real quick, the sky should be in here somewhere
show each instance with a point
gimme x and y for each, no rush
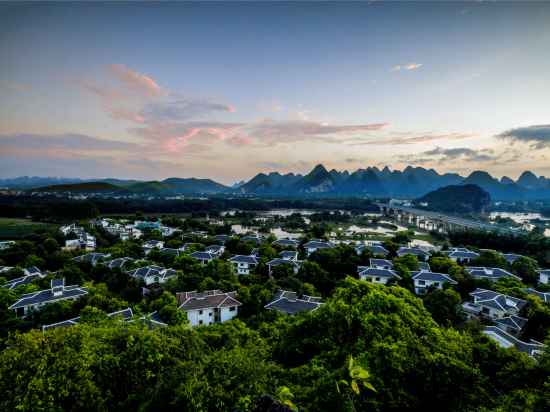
(227, 90)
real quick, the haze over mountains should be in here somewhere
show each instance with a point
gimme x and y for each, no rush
(412, 182)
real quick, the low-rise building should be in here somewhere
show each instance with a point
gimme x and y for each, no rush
(152, 274)
(544, 276)
(6, 244)
(511, 257)
(206, 308)
(92, 258)
(462, 255)
(423, 280)
(216, 250)
(244, 264)
(203, 257)
(152, 244)
(493, 305)
(375, 249)
(118, 263)
(287, 302)
(124, 315)
(492, 274)
(507, 340)
(420, 254)
(294, 264)
(376, 275)
(314, 245)
(57, 292)
(30, 274)
(287, 243)
(381, 264)
(544, 296)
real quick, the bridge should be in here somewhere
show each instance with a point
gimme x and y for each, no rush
(435, 221)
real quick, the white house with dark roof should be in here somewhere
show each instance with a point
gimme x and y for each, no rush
(256, 239)
(544, 276)
(118, 263)
(29, 275)
(377, 275)
(206, 308)
(57, 292)
(125, 315)
(462, 255)
(152, 244)
(314, 245)
(152, 274)
(381, 264)
(420, 254)
(492, 274)
(216, 250)
(292, 243)
(244, 264)
(507, 340)
(424, 280)
(511, 257)
(291, 255)
(287, 302)
(203, 257)
(512, 324)
(493, 305)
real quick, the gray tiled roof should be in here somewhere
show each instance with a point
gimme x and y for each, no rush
(213, 248)
(513, 321)
(381, 262)
(146, 271)
(376, 250)
(489, 273)
(424, 266)
(318, 244)
(124, 315)
(287, 302)
(118, 262)
(385, 273)
(47, 296)
(461, 253)
(289, 254)
(24, 280)
(202, 255)
(208, 299)
(501, 335)
(511, 257)
(412, 251)
(251, 260)
(92, 258)
(544, 296)
(433, 276)
(497, 300)
(286, 242)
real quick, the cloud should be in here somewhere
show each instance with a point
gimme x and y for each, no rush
(181, 110)
(408, 66)
(443, 156)
(64, 142)
(537, 136)
(135, 82)
(408, 138)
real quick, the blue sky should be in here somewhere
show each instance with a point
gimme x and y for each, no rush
(224, 90)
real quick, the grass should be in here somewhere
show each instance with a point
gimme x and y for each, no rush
(15, 228)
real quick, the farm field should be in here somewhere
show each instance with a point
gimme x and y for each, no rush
(16, 228)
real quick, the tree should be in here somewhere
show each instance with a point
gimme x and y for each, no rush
(444, 305)
(527, 269)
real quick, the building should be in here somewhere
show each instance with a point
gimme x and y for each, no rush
(423, 280)
(203, 257)
(244, 264)
(492, 305)
(124, 315)
(118, 263)
(152, 274)
(511, 257)
(420, 254)
(286, 243)
(381, 264)
(462, 255)
(256, 239)
(424, 266)
(206, 308)
(374, 249)
(293, 263)
(222, 238)
(287, 302)
(314, 245)
(377, 275)
(507, 340)
(544, 276)
(492, 274)
(6, 244)
(91, 258)
(544, 296)
(152, 244)
(168, 251)
(29, 275)
(512, 324)
(57, 292)
(216, 250)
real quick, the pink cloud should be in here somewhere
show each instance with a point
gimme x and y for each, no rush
(136, 82)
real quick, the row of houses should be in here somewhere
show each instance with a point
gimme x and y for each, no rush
(83, 240)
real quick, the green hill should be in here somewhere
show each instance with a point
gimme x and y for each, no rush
(456, 199)
(85, 187)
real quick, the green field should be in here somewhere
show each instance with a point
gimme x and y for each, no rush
(13, 228)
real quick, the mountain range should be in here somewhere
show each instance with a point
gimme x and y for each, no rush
(411, 182)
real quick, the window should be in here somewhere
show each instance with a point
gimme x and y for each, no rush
(421, 282)
(377, 279)
(200, 312)
(210, 314)
(232, 309)
(200, 322)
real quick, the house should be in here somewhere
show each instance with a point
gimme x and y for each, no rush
(255, 252)
(544, 296)
(289, 255)
(512, 324)
(118, 263)
(493, 274)
(91, 258)
(30, 274)
(152, 321)
(244, 264)
(152, 274)
(216, 250)
(6, 244)
(203, 257)
(381, 264)
(544, 276)
(507, 340)
(314, 245)
(287, 243)
(166, 231)
(287, 302)
(511, 257)
(424, 280)
(152, 244)
(168, 251)
(462, 255)
(256, 239)
(124, 315)
(377, 275)
(420, 254)
(72, 228)
(57, 292)
(211, 306)
(146, 226)
(294, 264)
(84, 241)
(493, 305)
(374, 249)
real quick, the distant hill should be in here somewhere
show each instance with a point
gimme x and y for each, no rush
(456, 199)
(85, 187)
